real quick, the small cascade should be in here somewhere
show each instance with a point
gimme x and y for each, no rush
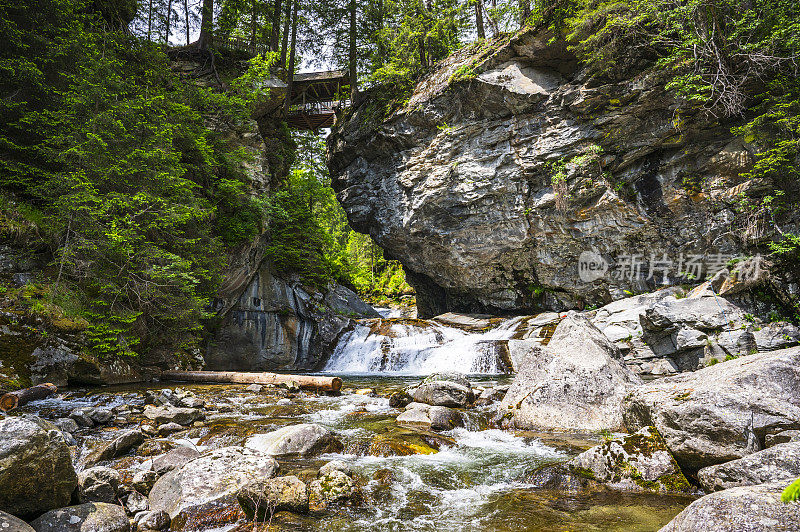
(421, 347)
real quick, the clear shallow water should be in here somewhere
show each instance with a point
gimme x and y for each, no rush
(477, 481)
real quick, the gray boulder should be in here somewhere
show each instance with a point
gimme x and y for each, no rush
(190, 494)
(36, 472)
(66, 424)
(174, 459)
(424, 416)
(157, 520)
(170, 414)
(780, 462)
(119, 446)
(98, 484)
(443, 393)
(143, 481)
(335, 465)
(722, 412)
(639, 462)
(785, 436)
(741, 509)
(135, 503)
(260, 499)
(9, 523)
(305, 439)
(577, 382)
(330, 488)
(89, 517)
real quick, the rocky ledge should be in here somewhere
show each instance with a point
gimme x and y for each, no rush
(509, 160)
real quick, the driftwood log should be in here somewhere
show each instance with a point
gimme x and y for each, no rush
(13, 400)
(328, 384)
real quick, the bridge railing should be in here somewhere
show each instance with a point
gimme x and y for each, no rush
(234, 42)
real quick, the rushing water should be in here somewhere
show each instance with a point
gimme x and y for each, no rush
(422, 347)
(477, 482)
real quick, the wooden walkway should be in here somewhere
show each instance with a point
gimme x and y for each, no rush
(316, 98)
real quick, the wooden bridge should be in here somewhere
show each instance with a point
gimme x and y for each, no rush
(315, 99)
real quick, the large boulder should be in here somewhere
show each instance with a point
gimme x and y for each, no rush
(98, 484)
(262, 498)
(443, 393)
(169, 414)
(174, 459)
(638, 462)
(9, 523)
(122, 444)
(430, 417)
(36, 472)
(203, 492)
(780, 462)
(577, 382)
(722, 412)
(330, 487)
(305, 439)
(741, 509)
(89, 517)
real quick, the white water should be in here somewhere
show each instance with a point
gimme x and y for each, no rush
(421, 348)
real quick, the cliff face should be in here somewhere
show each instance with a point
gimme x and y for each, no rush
(507, 163)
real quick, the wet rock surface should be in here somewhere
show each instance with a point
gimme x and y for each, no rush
(89, 517)
(9, 523)
(36, 471)
(305, 439)
(722, 412)
(576, 382)
(780, 462)
(260, 499)
(742, 509)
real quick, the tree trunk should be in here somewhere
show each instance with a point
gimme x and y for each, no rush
(186, 19)
(13, 400)
(290, 72)
(381, 46)
(286, 22)
(352, 58)
(253, 25)
(479, 20)
(492, 21)
(168, 29)
(275, 33)
(149, 19)
(206, 25)
(333, 384)
(524, 12)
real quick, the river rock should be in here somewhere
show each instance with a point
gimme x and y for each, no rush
(169, 428)
(135, 502)
(785, 436)
(305, 439)
(577, 382)
(443, 393)
(122, 444)
(157, 520)
(192, 494)
(400, 399)
(174, 459)
(330, 488)
(335, 465)
(430, 417)
(740, 509)
(88, 517)
(262, 498)
(780, 462)
(722, 412)
(66, 424)
(98, 484)
(143, 481)
(169, 414)
(639, 462)
(9, 523)
(36, 472)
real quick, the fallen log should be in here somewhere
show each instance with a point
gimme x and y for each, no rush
(328, 384)
(15, 399)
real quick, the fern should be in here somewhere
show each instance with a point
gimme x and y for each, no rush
(791, 493)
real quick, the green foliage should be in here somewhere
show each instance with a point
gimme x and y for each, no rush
(136, 194)
(792, 492)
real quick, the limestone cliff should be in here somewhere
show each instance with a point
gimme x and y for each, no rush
(510, 160)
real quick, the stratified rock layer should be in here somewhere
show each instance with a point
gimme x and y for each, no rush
(505, 165)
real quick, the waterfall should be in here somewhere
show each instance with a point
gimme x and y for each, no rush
(421, 347)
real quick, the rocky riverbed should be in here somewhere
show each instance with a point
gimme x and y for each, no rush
(160, 454)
